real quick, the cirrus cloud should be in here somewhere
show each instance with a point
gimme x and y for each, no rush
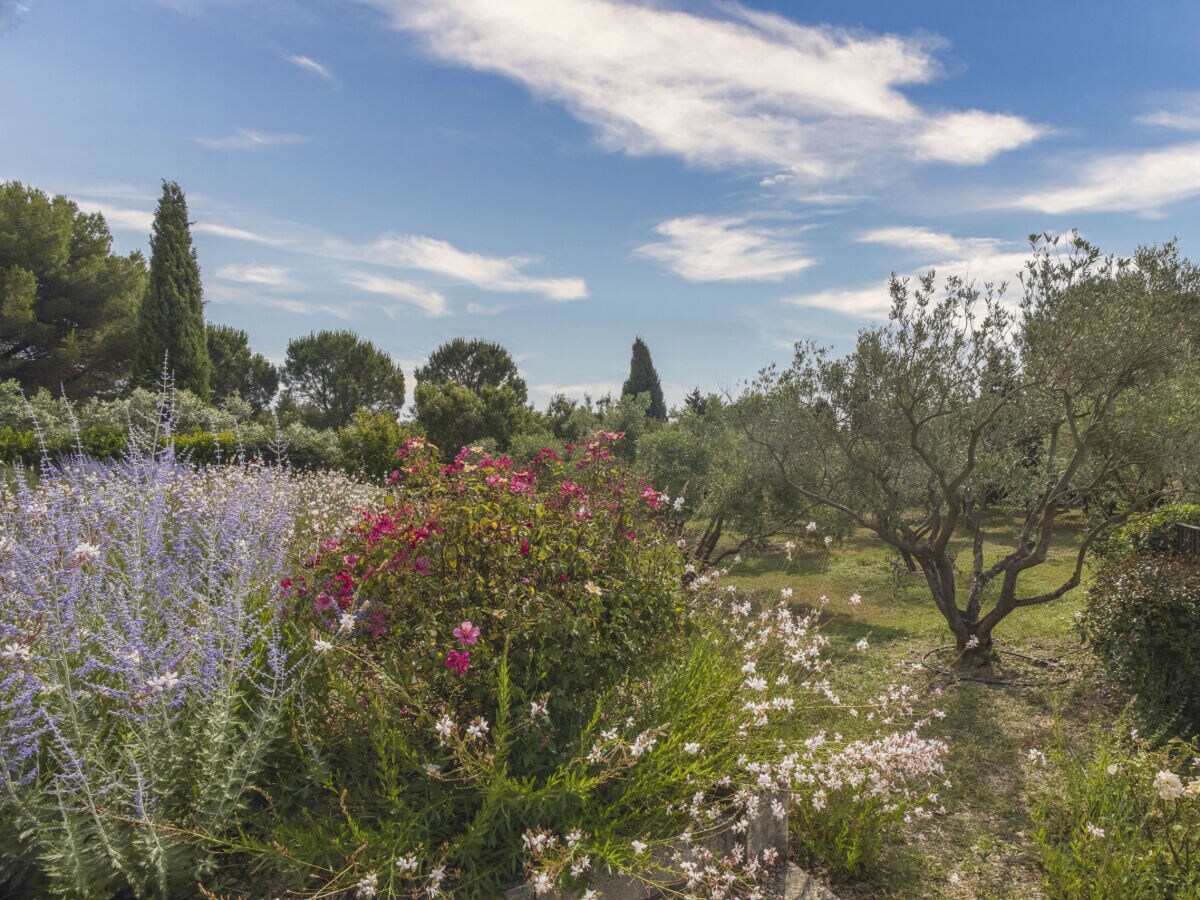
(711, 248)
(748, 89)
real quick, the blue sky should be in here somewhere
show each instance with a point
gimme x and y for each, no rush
(562, 175)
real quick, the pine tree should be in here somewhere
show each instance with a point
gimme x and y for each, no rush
(171, 317)
(644, 380)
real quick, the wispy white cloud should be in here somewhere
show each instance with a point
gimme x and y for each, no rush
(972, 138)
(229, 294)
(746, 89)
(265, 276)
(408, 252)
(119, 218)
(1179, 111)
(982, 260)
(1142, 182)
(490, 273)
(248, 139)
(710, 248)
(308, 64)
(931, 244)
(11, 12)
(428, 301)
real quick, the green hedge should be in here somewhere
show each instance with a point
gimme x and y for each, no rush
(1151, 533)
(106, 442)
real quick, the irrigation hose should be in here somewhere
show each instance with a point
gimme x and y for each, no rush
(958, 676)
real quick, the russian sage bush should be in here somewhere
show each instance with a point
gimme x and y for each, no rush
(143, 665)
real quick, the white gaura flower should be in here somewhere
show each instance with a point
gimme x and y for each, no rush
(1168, 785)
(592, 588)
(163, 683)
(12, 651)
(1094, 830)
(810, 527)
(478, 729)
(368, 886)
(855, 599)
(322, 646)
(83, 554)
(407, 863)
(693, 748)
(1036, 756)
(1192, 791)
(639, 847)
(861, 645)
(786, 593)
(346, 622)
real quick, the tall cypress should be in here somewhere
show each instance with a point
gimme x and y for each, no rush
(644, 380)
(171, 316)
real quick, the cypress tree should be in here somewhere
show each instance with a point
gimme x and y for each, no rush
(171, 316)
(644, 380)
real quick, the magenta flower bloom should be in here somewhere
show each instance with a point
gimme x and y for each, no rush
(458, 662)
(421, 566)
(467, 633)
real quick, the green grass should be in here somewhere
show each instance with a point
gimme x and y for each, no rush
(981, 846)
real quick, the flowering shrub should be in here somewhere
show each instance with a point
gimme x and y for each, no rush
(1121, 822)
(560, 565)
(143, 671)
(514, 683)
(1142, 618)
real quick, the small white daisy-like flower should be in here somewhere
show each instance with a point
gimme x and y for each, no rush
(692, 748)
(13, 651)
(163, 683)
(592, 588)
(83, 554)
(368, 886)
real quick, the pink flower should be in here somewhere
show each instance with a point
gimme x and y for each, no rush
(458, 662)
(467, 633)
(421, 566)
(525, 548)
(324, 601)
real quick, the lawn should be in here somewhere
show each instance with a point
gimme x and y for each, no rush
(980, 847)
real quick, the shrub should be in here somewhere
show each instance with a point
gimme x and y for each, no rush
(515, 682)
(142, 668)
(1120, 821)
(1142, 619)
(1150, 533)
(367, 446)
(564, 557)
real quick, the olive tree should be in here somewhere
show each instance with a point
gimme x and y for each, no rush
(1069, 401)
